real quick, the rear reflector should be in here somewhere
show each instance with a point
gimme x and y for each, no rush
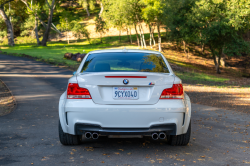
(75, 92)
(125, 76)
(176, 92)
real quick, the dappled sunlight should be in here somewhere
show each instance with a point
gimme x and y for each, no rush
(35, 75)
(33, 96)
(226, 98)
(202, 88)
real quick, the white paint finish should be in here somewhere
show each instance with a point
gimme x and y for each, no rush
(86, 111)
(187, 113)
(102, 109)
(100, 87)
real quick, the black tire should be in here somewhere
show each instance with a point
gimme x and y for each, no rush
(68, 139)
(180, 140)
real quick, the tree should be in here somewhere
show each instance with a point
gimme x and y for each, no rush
(115, 14)
(10, 33)
(66, 23)
(221, 24)
(80, 30)
(133, 15)
(50, 10)
(86, 4)
(153, 12)
(100, 26)
(46, 10)
(31, 24)
(178, 25)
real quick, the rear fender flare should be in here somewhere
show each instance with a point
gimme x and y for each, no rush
(187, 113)
(62, 115)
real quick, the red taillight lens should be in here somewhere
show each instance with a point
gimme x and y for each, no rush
(176, 92)
(75, 92)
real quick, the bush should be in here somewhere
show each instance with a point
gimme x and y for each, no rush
(25, 40)
(4, 41)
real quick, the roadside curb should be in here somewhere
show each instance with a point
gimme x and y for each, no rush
(13, 97)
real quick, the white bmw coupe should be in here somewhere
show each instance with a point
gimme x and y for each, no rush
(124, 93)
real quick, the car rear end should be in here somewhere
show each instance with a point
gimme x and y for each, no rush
(127, 92)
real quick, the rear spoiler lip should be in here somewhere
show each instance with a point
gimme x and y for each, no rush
(125, 76)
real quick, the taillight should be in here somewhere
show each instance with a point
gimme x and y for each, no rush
(176, 92)
(75, 92)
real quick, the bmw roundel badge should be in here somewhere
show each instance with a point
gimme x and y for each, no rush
(125, 81)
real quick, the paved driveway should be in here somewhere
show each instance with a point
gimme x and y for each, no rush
(29, 134)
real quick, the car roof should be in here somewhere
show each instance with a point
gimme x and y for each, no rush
(125, 50)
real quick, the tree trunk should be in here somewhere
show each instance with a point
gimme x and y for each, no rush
(127, 34)
(184, 45)
(36, 32)
(101, 37)
(150, 36)
(223, 61)
(202, 48)
(187, 53)
(216, 61)
(101, 9)
(218, 65)
(143, 38)
(130, 36)
(120, 36)
(138, 40)
(153, 29)
(202, 45)
(87, 8)
(68, 36)
(140, 36)
(9, 28)
(159, 36)
(46, 33)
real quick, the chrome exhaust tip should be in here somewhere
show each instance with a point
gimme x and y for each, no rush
(154, 136)
(95, 135)
(162, 135)
(88, 135)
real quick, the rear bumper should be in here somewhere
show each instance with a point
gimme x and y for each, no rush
(74, 114)
(169, 129)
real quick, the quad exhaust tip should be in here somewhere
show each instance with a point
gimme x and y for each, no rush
(95, 135)
(162, 135)
(88, 135)
(155, 136)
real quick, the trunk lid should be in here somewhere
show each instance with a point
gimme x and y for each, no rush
(100, 86)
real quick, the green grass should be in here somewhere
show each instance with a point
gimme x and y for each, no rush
(201, 78)
(55, 51)
(183, 64)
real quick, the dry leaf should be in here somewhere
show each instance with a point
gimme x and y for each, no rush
(201, 159)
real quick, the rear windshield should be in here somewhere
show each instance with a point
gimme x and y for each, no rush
(125, 62)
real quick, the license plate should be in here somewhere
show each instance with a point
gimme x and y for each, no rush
(125, 93)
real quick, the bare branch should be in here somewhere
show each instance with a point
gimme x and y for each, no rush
(44, 25)
(26, 4)
(47, 3)
(1, 6)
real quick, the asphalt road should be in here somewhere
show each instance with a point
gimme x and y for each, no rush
(29, 135)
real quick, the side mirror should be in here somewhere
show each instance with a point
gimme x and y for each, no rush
(74, 73)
